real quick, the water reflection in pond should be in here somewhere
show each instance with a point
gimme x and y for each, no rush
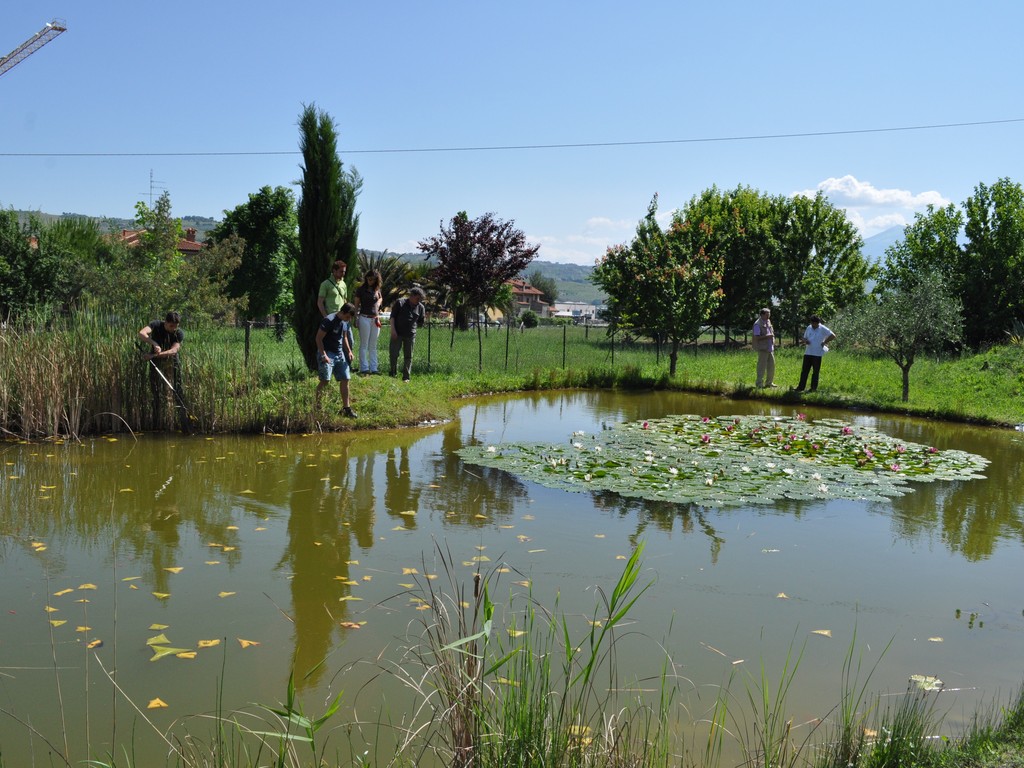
(307, 547)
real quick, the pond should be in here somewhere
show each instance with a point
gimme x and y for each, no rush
(256, 556)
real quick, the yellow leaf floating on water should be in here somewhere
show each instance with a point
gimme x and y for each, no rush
(523, 538)
(480, 517)
(247, 490)
(58, 622)
(156, 704)
(430, 576)
(407, 586)
(594, 623)
(83, 629)
(367, 578)
(935, 640)
(174, 569)
(40, 548)
(160, 639)
(247, 643)
(126, 490)
(82, 600)
(51, 609)
(37, 545)
(822, 632)
(598, 535)
(232, 528)
(351, 625)
(161, 595)
(502, 570)
(507, 527)
(351, 562)
(424, 607)
(186, 655)
(225, 594)
(213, 562)
(409, 571)
(481, 559)
(408, 512)
(63, 592)
(208, 643)
(782, 596)
(516, 632)
(160, 651)
(346, 598)
(535, 551)
(347, 582)
(87, 586)
(523, 583)
(399, 528)
(621, 557)
(228, 549)
(260, 528)
(131, 578)
(528, 517)
(97, 643)
(132, 586)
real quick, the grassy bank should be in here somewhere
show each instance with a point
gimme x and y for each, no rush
(85, 376)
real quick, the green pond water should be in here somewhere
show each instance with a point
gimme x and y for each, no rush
(261, 555)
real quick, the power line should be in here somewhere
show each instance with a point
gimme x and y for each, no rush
(518, 147)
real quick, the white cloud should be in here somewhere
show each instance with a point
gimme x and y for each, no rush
(871, 209)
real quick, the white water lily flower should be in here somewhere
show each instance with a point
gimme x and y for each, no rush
(578, 434)
(709, 480)
(598, 448)
(745, 468)
(649, 457)
(491, 449)
(588, 477)
(788, 470)
(770, 465)
(816, 476)
(577, 445)
(673, 471)
(823, 488)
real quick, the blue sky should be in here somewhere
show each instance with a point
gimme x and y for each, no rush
(220, 77)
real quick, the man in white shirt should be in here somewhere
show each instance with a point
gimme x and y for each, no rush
(816, 339)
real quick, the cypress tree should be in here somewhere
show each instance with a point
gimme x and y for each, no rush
(328, 224)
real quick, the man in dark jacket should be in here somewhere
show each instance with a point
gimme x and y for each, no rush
(406, 316)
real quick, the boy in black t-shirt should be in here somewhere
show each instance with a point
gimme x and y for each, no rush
(334, 354)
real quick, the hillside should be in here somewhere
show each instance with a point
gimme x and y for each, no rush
(202, 224)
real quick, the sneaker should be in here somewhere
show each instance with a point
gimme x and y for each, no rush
(349, 412)
(405, 378)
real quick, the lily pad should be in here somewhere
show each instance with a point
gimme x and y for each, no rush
(733, 460)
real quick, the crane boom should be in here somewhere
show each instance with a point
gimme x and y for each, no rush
(33, 44)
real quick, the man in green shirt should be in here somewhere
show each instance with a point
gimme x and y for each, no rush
(333, 291)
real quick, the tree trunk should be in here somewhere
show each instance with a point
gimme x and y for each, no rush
(906, 382)
(673, 356)
(461, 318)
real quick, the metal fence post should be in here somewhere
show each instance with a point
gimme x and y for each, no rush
(248, 333)
(565, 331)
(508, 333)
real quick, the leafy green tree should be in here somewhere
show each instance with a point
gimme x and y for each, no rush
(820, 265)
(739, 227)
(905, 321)
(660, 282)
(475, 258)
(268, 226)
(201, 290)
(328, 223)
(529, 319)
(546, 285)
(930, 244)
(991, 274)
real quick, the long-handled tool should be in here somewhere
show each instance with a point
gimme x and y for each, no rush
(188, 417)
